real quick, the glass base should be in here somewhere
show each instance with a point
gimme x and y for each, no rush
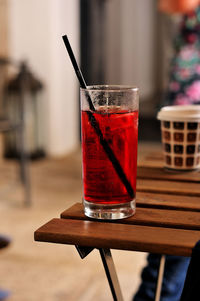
(109, 212)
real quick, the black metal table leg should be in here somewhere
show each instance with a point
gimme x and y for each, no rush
(109, 268)
(111, 274)
(84, 251)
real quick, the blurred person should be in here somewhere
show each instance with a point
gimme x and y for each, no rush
(184, 76)
(183, 89)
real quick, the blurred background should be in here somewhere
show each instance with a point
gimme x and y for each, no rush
(115, 42)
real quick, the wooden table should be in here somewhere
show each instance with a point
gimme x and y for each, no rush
(167, 221)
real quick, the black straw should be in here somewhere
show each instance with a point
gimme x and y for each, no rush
(94, 123)
(77, 69)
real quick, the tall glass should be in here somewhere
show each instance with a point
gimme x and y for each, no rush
(109, 150)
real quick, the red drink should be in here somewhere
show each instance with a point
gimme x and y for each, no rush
(101, 182)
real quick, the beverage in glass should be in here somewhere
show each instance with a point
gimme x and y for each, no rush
(109, 150)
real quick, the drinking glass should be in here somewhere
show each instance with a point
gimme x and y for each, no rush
(109, 150)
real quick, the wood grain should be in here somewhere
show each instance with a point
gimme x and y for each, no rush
(118, 236)
(147, 217)
(158, 173)
(168, 187)
(167, 201)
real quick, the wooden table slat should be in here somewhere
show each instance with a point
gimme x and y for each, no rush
(158, 173)
(119, 236)
(147, 217)
(168, 187)
(167, 201)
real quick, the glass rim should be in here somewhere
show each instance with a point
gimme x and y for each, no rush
(110, 88)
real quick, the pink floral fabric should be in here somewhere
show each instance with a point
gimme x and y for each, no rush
(184, 83)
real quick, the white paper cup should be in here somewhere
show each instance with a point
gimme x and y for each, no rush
(180, 129)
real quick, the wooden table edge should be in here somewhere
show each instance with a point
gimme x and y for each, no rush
(87, 233)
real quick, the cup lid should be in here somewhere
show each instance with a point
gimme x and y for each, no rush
(180, 113)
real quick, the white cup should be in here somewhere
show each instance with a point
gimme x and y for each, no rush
(180, 128)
